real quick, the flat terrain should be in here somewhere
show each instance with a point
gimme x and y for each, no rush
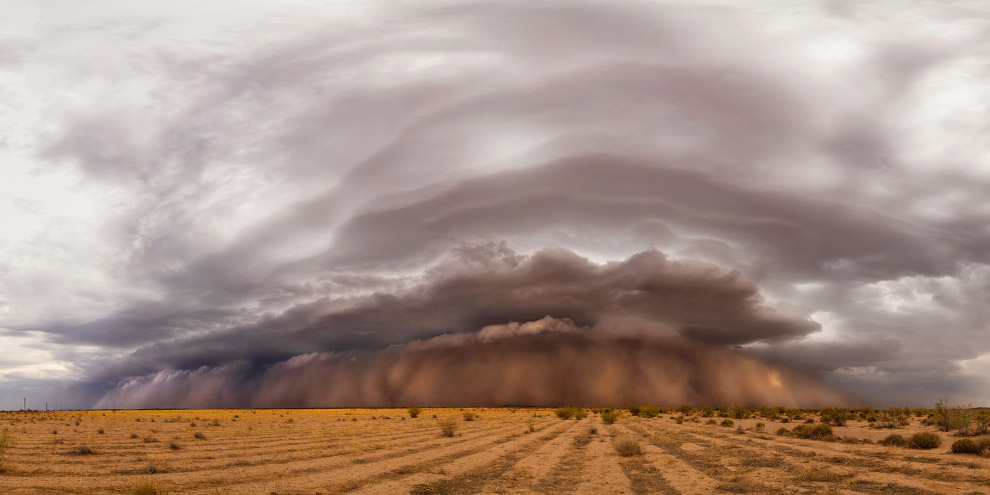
(385, 451)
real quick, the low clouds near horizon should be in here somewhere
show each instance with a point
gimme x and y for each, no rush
(236, 203)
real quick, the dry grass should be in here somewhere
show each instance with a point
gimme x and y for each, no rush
(344, 451)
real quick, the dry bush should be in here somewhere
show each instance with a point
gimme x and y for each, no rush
(580, 414)
(199, 436)
(609, 417)
(82, 450)
(468, 416)
(894, 440)
(650, 412)
(146, 489)
(965, 446)
(813, 432)
(531, 425)
(447, 427)
(565, 412)
(728, 423)
(627, 446)
(949, 418)
(924, 440)
(414, 411)
(760, 427)
(174, 446)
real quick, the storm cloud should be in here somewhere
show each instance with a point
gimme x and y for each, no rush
(234, 203)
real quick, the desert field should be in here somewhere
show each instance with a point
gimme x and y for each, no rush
(497, 451)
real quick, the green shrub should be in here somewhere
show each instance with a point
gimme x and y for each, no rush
(711, 421)
(634, 410)
(728, 423)
(564, 412)
(760, 427)
(783, 431)
(924, 440)
(414, 411)
(468, 416)
(610, 417)
(894, 440)
(580, 414)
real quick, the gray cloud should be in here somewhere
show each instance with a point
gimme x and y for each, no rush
(291, 182)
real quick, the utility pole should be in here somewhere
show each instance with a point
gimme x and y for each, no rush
(46, 407)
(25, 403)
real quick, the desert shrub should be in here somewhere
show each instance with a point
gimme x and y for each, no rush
(728, 423)
(531, 425)
(634, 410)
(835, 416)
(894, 439)
(199, 436)
(580, 414)
(134, 435)
(414, 411)
(711, 421)
(949, 418)
(100, 431)
(981, 422)
(593, 431)
(82, 450)
(627, 446)
(610, 417)
(468, 416)
(760, 427)
(924, 440)
(174, 446)
(679, 421)
(965, 446)
(707, 411)
(564, 412)
(650, 412)
(685, 410)
(813, 432)
(448, 427)
(150, 439)
(146, 489)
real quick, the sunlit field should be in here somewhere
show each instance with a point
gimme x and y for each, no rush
(494, 451)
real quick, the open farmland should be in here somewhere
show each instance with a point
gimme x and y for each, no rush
(512, 451)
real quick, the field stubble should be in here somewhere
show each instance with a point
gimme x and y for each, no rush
(499, 451)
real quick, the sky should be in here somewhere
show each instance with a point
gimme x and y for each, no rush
(302, 203)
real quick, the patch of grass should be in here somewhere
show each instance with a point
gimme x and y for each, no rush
(627, 446)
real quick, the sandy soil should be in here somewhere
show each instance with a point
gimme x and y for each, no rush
(295, 452)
